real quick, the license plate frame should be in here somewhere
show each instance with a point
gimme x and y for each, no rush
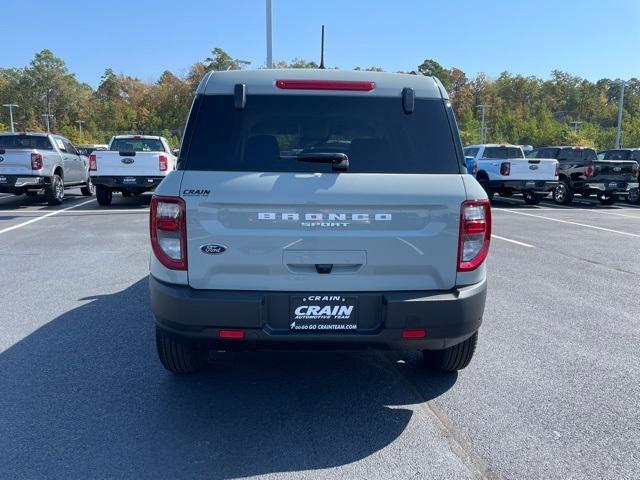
(323, 313)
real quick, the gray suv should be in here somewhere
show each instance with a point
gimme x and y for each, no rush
(319, 209)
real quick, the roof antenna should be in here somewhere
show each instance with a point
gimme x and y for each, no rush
(322, 50)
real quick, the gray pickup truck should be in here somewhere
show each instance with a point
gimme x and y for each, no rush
(34, 162)
(319, 209)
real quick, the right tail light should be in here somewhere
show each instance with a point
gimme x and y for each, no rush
(163, 163)
(168, 225)
(36, 161)
(557, 168)
(505, 169)
(93, 163)
(589, 170)
(475, 234)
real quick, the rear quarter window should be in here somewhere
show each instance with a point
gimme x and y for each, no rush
(272, 130)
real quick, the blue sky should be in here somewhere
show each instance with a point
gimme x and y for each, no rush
(593, 39)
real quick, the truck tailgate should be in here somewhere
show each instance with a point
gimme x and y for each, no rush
(322, 232)
(533, 169)
(615, 170)
(18, 162)
(127, 164)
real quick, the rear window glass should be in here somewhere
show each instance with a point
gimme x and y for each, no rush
(25, 141)
(137, 145)
(273, 130)
(577, 154)
(617, 155)
(502, 152)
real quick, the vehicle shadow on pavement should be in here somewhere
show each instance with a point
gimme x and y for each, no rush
(85, 397)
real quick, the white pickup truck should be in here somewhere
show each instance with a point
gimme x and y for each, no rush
(505, 170)
(34, 162)
(133, 164)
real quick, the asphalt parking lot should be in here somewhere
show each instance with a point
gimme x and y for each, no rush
(552, 392)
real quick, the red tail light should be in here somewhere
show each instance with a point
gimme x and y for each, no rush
(557, 169)
(505, 168)
(93, 163)
(589, 171)
(634, 168)
(475, 234)
(36, 161)
(325, 85)
(168, 225)
(414, 333)
(163, 163)
(235, 334)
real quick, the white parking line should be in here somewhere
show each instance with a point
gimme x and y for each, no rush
(50, 214)
(522, 244)
(573, 223)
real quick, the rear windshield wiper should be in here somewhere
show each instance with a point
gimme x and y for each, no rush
(338, 161)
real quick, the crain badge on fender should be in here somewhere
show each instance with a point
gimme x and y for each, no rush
(127, 161)
(213, 249)
(533, 167)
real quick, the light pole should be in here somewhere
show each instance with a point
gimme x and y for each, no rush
(620, 108)
(269, 43)
(483, 131)
(47, 116)
(80, 122)
(10, 107)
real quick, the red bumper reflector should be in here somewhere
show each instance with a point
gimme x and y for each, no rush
(325, 85)
(414, 333)
(237, 334)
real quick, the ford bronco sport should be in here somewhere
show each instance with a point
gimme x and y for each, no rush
(319, 209)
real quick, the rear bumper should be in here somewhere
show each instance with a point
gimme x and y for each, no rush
(537, 186)
(12, 183)
(448, 317)
(134, 182)
(619, 188)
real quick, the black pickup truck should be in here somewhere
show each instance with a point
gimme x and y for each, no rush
(582, 172)
(624, 154)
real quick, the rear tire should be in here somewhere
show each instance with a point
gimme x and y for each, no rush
(89, 189)
(104, 195)
(531, 198)
(180, 357)
(563, 194)
(453, 358)
(607, 199)
(54, 192)
(634, 196)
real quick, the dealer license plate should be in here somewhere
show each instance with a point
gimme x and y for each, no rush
(323, 312)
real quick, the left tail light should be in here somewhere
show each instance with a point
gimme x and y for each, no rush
(93, 163)
(475, 234)
(163, 163)
(36, 161)
(168, 225)
(505, 169)
(589, 170)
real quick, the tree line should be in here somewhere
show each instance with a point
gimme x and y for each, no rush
(563, 109)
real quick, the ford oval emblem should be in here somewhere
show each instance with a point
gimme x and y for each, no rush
(617, 169)
(213, 249)
(127, 161)
(533, 167)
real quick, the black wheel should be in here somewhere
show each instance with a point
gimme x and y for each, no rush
(607, 199)
(180, 356)
(104, 195)
(484, 183)
(452, 358)
(531, 198)
(89, 189)
(634, 196)
(55, 190)
(563, 194)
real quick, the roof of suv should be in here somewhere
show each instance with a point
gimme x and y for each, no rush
(264, 82)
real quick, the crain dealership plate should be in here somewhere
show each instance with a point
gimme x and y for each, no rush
(323, 313)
